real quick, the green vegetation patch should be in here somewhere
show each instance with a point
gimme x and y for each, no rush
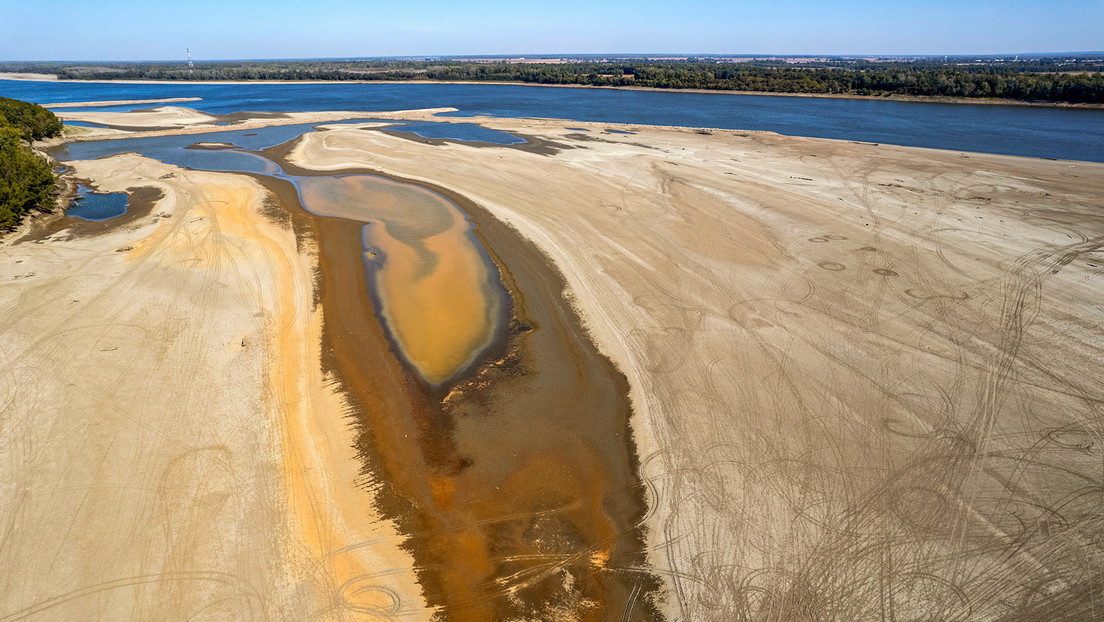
(33, 121)
(26, 179)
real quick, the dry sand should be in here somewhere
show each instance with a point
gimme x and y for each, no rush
(865, 382)
(170, 120)
(121, 102)
(865, 378)
(162, 116)
(171, 449)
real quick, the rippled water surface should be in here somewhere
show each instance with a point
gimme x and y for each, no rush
(1067, 133)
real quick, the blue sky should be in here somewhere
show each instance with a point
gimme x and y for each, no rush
(158, 30)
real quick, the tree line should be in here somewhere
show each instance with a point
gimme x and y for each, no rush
(27, 181)
(1067, 80)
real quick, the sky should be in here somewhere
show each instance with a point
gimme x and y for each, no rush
(256, 29)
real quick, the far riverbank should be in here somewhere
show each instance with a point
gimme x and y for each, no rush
(26, 77)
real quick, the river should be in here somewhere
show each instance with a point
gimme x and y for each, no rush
(1044, 132)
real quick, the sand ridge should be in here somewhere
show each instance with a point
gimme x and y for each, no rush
(181, 121)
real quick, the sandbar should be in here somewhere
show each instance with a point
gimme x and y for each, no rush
(851, 365)
(121, 102)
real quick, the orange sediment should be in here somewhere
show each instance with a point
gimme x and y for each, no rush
(440, 320)
(517, 490)
(433, 285)
(347, 555)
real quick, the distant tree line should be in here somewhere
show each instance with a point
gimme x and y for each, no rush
(1069, 80)
(26, 180)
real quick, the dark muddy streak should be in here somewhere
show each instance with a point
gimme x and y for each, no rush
(518, 484)
(532, 144)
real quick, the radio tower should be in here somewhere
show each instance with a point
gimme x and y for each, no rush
(190, 65)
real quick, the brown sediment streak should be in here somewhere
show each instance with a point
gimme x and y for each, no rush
(517, 484)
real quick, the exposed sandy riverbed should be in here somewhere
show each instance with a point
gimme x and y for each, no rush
(171, 446)
(863, 379)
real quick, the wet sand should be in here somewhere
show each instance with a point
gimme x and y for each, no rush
(438, 296)
(518, 484)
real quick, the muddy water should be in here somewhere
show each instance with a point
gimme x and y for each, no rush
(439, 295)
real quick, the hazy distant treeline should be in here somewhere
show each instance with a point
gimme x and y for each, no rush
(1042, 79)
(989, 82)
(26, 180)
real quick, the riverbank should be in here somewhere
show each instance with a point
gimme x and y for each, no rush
(175, 446)
(902, 98)
(835, 353)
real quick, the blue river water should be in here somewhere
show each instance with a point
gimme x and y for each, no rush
(174, 149)
(90, 206)
(1064, 133)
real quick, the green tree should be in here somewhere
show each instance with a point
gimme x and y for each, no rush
(33, 121)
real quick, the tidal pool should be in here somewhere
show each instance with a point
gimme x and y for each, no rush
(465, 132)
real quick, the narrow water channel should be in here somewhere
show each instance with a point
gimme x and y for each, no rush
(498, 438)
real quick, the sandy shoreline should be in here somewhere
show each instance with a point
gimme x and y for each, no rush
(862, 378)
(122, 102)
(898, 98)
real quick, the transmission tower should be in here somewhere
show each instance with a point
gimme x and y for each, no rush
(190, 65)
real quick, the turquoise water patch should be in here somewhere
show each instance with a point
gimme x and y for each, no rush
(96, 206)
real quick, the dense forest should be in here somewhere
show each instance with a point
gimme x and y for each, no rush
(1065, 79)
(26, 179)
